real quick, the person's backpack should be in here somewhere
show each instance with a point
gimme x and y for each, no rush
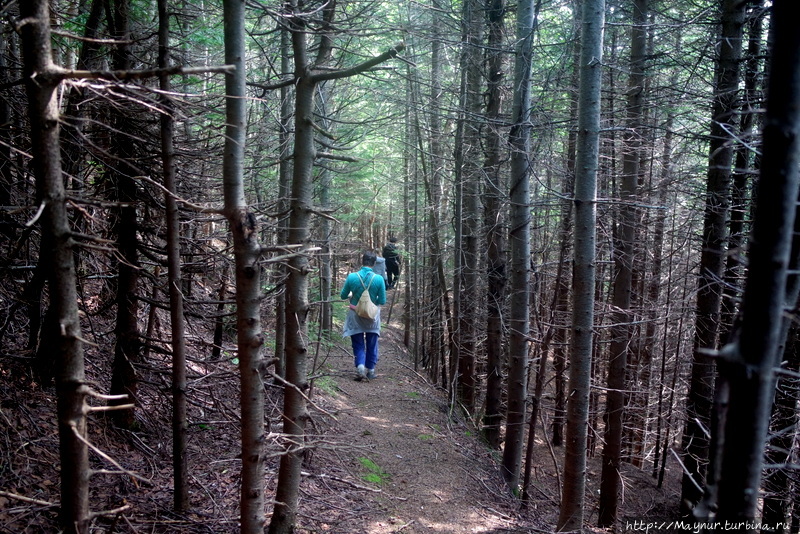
(365, 307)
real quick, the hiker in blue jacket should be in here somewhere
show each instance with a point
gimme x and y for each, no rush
(380, 266)
(364, 332)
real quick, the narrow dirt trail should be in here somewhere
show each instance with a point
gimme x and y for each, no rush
(427, 470)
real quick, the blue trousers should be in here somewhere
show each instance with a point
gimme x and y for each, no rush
(366, 354)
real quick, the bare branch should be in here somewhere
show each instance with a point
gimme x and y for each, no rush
(336, 74)
(362, 67)
(27, 499)
(126, 75)
(107, 457)
(329, 155)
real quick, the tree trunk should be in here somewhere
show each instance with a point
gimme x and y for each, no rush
(519, 241)
(295, 412)
(326, 227)
(572, 508)
(297, 307)
(72, 138)
(7, 174)
(246, 251)
(284, 191)
(778, 476)
(622, 315)
(41, 83)
(748, 364)
(439, 305)
(780, 502)
(743, 169)
(670, 403)
(128, 345)
(410, 304)
(709, 294)
(468, 142)
(641, 398)
(179, 422)
(219, 318)
(561, 311)
(667, 163)
(494, 224)
(439, 296)
(72, 160)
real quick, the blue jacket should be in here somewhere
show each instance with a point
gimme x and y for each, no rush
(353, 288)
(380, 267)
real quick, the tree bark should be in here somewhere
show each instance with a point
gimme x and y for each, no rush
(73, 146)
(468, 140)
(778, 497)
(284, 192)
(622, 315)
(439, 296)
(326, 227)
(179, 422)
(743, 170)
(571, 512)
(780, 503)
(519, 241)
(7, 225)
(295, 415)
(410, 303)
(246, 251)
(709, 294)
(41, 84)
(561, 300)
(433, 178)
(494, 224)
(297, 308)
(748, 364)
(667, 163)
(128, 344)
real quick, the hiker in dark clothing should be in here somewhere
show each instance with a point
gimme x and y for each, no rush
(392, 257)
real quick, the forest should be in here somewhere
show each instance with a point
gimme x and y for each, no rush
(595, 205)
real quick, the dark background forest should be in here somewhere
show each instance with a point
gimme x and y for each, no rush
(595, 203)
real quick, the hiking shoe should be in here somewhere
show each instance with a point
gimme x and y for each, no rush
(361, 372)
(371, 374)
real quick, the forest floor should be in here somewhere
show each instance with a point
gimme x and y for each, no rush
(430, 471)
(387, 456)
